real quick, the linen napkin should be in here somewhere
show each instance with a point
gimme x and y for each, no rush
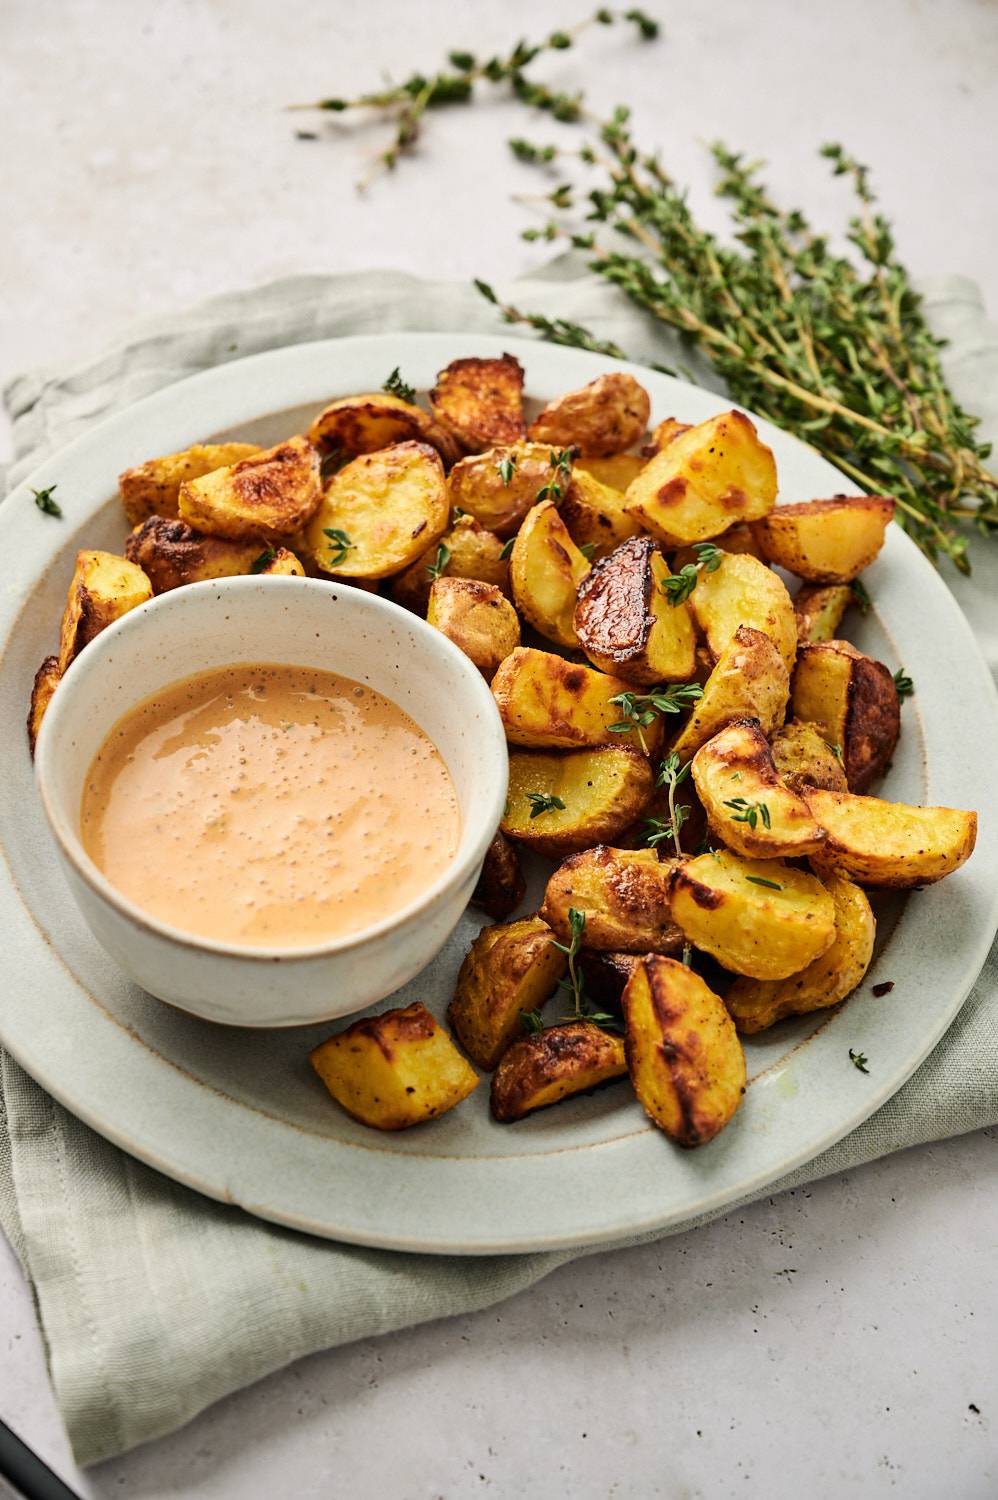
(153, 1301)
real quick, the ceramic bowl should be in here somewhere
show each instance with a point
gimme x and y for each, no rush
(302, 622)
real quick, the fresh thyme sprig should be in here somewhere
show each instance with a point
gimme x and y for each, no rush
(639, 710)
(859, 1060)
(751, 813)
(678, 587)
(671, 774)
(574, 981)
(903, 683)
(396, 386)
(861, 596)
(43, 499)
(439, 563)
(543, 802)
(561, 463)
(339, 544)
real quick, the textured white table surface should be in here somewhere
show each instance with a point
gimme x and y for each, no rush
(839, 1341)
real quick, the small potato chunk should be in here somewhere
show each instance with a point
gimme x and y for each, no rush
(283, 564)
(173, 553)
(616, 472)
(625, 623)
(548, 703)
(153, 488)
(477, 618)
(604, 417)
(102, 589)
(508, 969)
(269, 495)
(826, 541)
(395, 1069)
(46, 681)
(595, 515)
(469, 552)
(853, 702)
(890, 843)
(363, 424)
(750, 681)
(480, 401)
(804, 759)
(755, 1004)
(683, 1054)
(756, 917)
(819, 608)
(624, 896)
(601, 792)
(501, 886)
(553, 1064)
(748, 807)
(545, 569)
(380, 513)
(498, 487)
(744, 591)
(704, 480)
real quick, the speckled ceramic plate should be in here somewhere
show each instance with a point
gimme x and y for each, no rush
(239, 1115)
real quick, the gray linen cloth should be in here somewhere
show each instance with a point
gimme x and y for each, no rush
(153, 1301)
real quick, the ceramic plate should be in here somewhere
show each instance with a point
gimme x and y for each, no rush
(238, 1114)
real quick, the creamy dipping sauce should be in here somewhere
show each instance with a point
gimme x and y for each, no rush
(269, 805)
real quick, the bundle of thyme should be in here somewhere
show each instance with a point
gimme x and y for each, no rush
(831, 346)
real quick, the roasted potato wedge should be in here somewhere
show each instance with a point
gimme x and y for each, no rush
(755, 1004)
(380, 513)
(624, 896)
(501, 886)
(749, 808)
(480, 401)
(819, 608)
(826, 541)
(47, 679)
(363, 424)
(469, 552)
(477, 618)
(548, 703)
(594, 514)
(744, 591)
(750, 681)
(890, 843)
(604, 417)
(616, 472)
(563, 801)
(395, 1069)
(625, 623)
(153, 488)
(683, 1054)
(173, 553)
(498, 487)
(804, 759)
(269, 495)
(705, 480)
(756, 917)
(102, 589)
(553, 1064)
(852, 700)
(508, 970)
(545, 569)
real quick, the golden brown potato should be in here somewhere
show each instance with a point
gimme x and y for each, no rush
(152, 488)
(704, 480)
(173, 553)
(498, 487)
(548, 703)
(102, 589)
(755, 1004)
(748, 807)
(756, 917)
(47, 679)
(278, 562)
(624, 896)
(509, 970)
(890, 843)
(363, 424)
(804, 759)
(477, 618)
(469, 552)
(625, 623)
(594, 514)
(738, 539)
(826, 541)
(819, 608)
(380, 513)
(853, 702)
(616, 472)
(604, 417)
(501, 886)
(269, 495)
(545, 569)
(744, 591)
(553, 1064)
(564, 800)
(480, 401)
(663, 434)
(750, 681)
(395, 1069)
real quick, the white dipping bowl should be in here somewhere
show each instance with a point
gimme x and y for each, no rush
(298, 622)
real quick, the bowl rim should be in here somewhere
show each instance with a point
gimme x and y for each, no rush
(487, 811)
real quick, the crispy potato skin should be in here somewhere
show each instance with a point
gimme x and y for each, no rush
(819, 608)
(826, 541)
(603, 418)
(476, 484)
(480, 401)
(626, 625)
(395, 1069)
(705, 480)
(269, 495)
(477, 618)
(546, 569)
(474, 553)
(890, 844)
(46, 680)
(603, 790)
(737, 766)
(615, 472)
(755, 1004)
(391, 504)
(624, 894)
(750, 681)
(173, 553)
(853, 701)
(102, 589)
(683, 1054)
(605, 974)
(508, 969)
(153, 488)
(501, 886)
(805, 760)
(548, 703)
(594, 513)
(744, 591)
(363, 424)
(550, 1065)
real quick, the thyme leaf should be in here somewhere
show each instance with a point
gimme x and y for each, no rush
(543, 802)
(396, 386)
(43, 499)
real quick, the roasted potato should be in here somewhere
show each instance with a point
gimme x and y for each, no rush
(363, 424)
(744, 591)
(152, 488)
(826, 541)
(624, 896)
(477, 618)
(889, 843)
(663, 434)
(852, 700)
(563, 801)
(616, 472)
(102, 589)
(545, 569)
(604, 417)
(480, 401)
(594, 514)
(805, 759)
(604, 975)
(755, 1004)
(469, 552)
(749, 808)
(738, 539)
(509, 969)
(498, 487)
(819, 608)
(501, 886)
(380, 513)
(683, 1054)
(281, 563)
(173, 553)
(547, 703)
(704, 480)
(269, 495)
(756, 917)
(545, 1066)
(395, 1069)
(625, 623)
(46, 681)
(750, 681)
